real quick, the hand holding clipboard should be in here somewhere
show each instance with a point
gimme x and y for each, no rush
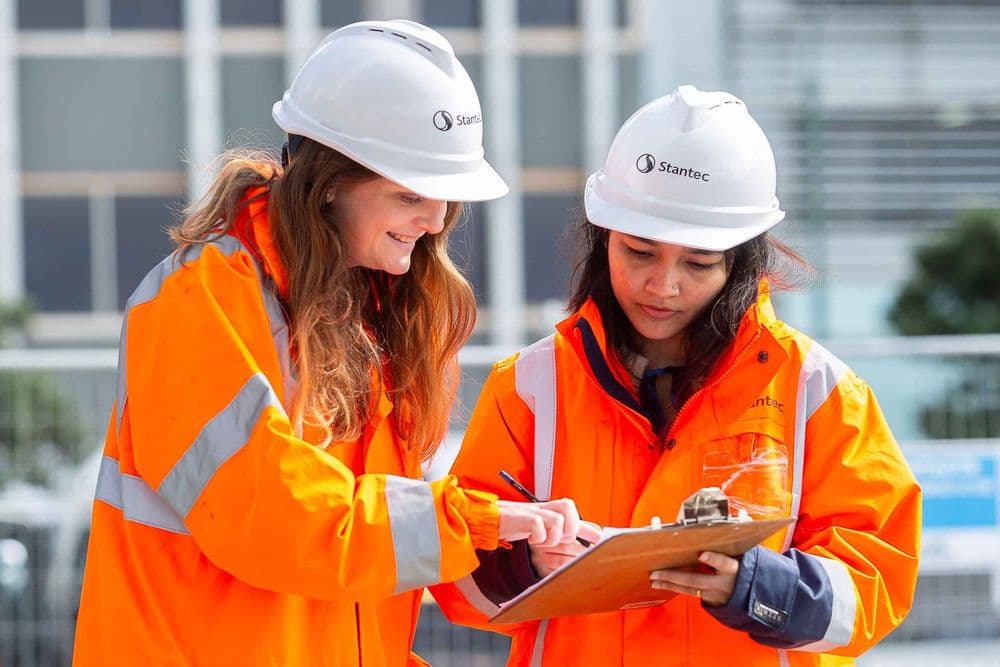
(614, 574)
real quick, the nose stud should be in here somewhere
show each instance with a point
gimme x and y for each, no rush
(675, 288)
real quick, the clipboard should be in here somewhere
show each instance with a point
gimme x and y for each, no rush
(614, 574)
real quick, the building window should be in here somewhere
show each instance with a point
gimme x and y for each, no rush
(148, 14)
(250, 85)
(466, 246)
(101, 113)
(549, 13)
(251, 12)
(452, 13)
(560, 13)
(547, 245)
(336, 13)
(50, 14)
(141, 239)
(621, 13)
(550, 123)
(57, 253)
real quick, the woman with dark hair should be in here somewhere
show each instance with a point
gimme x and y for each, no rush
(284, 374)
(672, 374)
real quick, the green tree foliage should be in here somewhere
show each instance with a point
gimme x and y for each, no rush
(12, 317)
(956, 290)
(40, 427)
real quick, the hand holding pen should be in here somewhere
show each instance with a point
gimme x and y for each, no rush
(507, 477)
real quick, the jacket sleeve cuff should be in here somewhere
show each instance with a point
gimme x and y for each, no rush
(780, 600)
(483, 519)
(505, 573)
(735, 613)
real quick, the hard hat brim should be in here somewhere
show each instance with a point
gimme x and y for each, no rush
(616, 217)
(483, 184)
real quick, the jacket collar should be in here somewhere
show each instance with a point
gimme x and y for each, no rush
(253, 227)
(585, 328)
(750, 360)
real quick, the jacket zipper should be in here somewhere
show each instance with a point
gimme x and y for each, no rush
(357, 629)
(667, 437)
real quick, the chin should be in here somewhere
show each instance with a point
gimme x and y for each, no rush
(397, 269)
(654, 333)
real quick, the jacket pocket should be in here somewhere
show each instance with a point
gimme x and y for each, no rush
(749, 462)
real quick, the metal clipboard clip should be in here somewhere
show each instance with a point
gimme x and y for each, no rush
(706, 505)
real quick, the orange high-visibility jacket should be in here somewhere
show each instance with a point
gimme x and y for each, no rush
(218, 536)
(782, 426)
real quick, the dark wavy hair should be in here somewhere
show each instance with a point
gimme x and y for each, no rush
(715, 327)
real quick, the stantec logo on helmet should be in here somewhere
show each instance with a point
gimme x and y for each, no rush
(444, 121)
(646, 163)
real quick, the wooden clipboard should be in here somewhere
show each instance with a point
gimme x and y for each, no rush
(614, 575)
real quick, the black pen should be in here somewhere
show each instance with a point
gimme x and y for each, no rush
(507, 477)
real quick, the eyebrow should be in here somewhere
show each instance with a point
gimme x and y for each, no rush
(694, 251)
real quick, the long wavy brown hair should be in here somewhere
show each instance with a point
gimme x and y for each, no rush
(712, 330)
(350, 325)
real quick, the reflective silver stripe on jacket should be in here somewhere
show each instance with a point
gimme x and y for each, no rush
(470, 591)
(280, 336)
(535, 381)
(410, 504)
(818, 377)
(539, 648)
(135, 499)
(224, 435)
(219, 439)
(841, 627)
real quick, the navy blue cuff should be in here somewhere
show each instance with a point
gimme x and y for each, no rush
(781, 600)
(504, 573)
(734, 613)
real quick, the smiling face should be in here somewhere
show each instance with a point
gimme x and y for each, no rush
(380, 223)
(662, 288)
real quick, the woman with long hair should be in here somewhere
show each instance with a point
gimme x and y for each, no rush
(673, 374)
(284, 374)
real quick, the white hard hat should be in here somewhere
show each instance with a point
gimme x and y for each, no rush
(392, 96)
(691, 168)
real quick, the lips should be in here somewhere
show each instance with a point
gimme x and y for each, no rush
(658, 313)
(409, 240)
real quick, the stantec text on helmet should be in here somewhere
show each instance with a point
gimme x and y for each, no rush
(444, 120)
(646, 163)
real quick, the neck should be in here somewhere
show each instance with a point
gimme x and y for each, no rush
(660, 353)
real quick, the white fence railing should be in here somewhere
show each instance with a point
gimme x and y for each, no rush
(930, 387)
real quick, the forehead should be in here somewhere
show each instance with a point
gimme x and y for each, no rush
(372, 186)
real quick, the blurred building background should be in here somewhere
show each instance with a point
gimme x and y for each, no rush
(885, 120)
